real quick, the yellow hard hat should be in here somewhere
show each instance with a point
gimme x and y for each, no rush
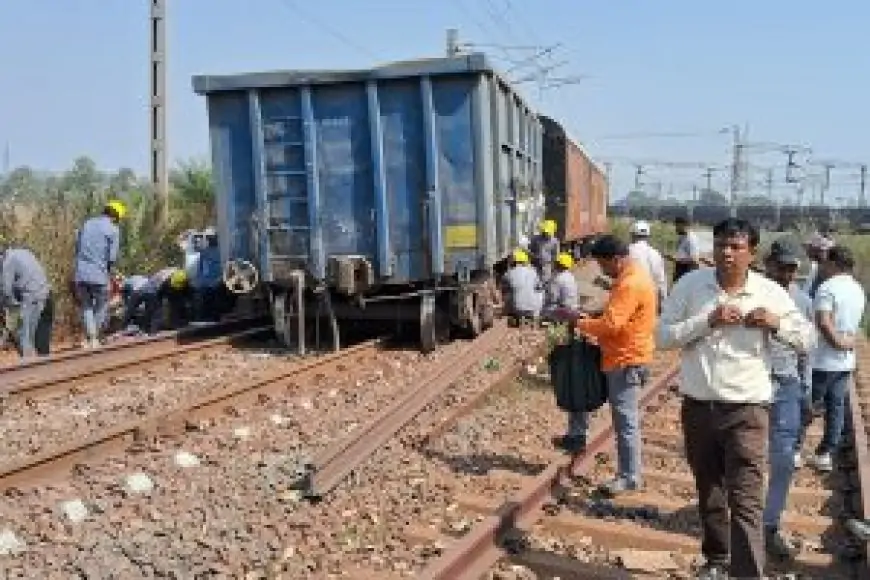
(521, 256)
(178, 279)
(565, 260)
(548, 227)
(117, 207)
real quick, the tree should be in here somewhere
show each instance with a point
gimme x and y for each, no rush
(20, 183)
(711, 197)
(638, 198)
(123, 181)
(192, 182)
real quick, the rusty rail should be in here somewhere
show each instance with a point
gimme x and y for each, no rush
(480, 548)
(862, 467)
(48, 465)
(336, 462)
(52, 374)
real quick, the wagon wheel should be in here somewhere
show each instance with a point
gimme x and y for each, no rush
(284, 315)
(434, 323)
(240, 276)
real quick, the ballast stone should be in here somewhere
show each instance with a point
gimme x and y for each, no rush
(185, 459)
(10, 544)
(75, 510)
(139, 483)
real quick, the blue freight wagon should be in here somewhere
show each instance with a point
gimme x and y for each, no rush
(384, 193)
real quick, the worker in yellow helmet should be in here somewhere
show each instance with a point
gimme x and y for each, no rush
(522, 287)
(562, 291)
(97, 249)
(145, 298)
(544, 248)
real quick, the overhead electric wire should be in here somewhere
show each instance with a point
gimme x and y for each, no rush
(293, 5)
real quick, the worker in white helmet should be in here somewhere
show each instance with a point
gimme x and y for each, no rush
(642, 252)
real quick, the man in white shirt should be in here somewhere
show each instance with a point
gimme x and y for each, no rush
(688, 254)
(839, 305)
(723, 320)
(817, 249)
(647, 256)
(523, 288)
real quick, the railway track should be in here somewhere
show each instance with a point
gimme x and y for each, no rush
(555, 524)
(445, 384)
(50, 376)
(56, 462)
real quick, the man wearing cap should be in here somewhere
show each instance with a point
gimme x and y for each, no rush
(644, 254)
(839, 306)
(96, 252)
(791, 375)
(625, 334)
(523, 287)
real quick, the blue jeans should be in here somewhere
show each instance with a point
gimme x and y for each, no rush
(623, 387)
(830, 391)
(94, 301)
(783, 432)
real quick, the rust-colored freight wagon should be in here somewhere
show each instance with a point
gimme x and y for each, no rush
(575, 190)
(598, 200)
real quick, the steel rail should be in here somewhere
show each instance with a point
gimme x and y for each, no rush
(338, 461)
(862, 469)
(46, 466)
(478, 550)
(51, 374)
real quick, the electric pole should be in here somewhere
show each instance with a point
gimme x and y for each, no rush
(638, 171)
(769, 183)
(826, 184)
(735, 169)
(708, 175)
(157, 49)
(862, 199)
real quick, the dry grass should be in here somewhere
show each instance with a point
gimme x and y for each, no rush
(48, 228)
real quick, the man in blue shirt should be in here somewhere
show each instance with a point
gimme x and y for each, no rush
(25, 287)
(97, 250)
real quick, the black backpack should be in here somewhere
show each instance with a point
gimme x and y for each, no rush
(575, 371)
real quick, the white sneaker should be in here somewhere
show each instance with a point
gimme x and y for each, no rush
(798, 460)
(823, 462)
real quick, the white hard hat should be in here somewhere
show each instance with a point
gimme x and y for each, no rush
(524, 242)
(640, 228)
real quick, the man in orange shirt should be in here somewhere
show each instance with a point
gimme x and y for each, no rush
(625, 333)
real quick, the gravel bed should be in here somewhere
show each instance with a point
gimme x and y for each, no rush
(29, 427)
(583, 501)
(219, 503)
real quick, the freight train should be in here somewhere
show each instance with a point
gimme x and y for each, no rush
(390, 193)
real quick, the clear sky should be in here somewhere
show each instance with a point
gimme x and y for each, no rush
(74, 77)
